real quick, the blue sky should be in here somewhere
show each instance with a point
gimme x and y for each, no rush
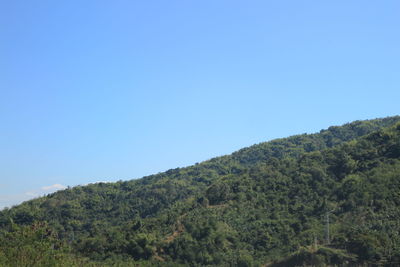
(109, 90)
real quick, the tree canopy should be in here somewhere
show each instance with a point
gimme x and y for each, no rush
(311, 199)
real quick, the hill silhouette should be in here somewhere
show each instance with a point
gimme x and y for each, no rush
(328, 198)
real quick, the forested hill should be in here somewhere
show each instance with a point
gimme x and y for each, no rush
(326, 198)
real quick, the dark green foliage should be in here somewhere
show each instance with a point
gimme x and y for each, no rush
(321, 256)
(264, 204)
(35, 245)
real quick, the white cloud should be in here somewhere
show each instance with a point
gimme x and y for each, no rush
(53, 187)
(97, 182)
(31, 194)
(8, 200)
(45, 190)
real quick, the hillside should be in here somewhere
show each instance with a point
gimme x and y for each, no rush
(327, 198)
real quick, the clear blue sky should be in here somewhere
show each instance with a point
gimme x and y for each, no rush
(108, 90)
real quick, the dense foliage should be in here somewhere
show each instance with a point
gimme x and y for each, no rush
(326, 198)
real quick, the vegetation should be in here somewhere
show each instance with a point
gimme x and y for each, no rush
(331, 198)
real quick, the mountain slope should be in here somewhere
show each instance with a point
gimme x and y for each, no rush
(258, 205)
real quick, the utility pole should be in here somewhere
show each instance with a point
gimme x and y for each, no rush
(327, 238)
(315, 242)
(327, 232)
